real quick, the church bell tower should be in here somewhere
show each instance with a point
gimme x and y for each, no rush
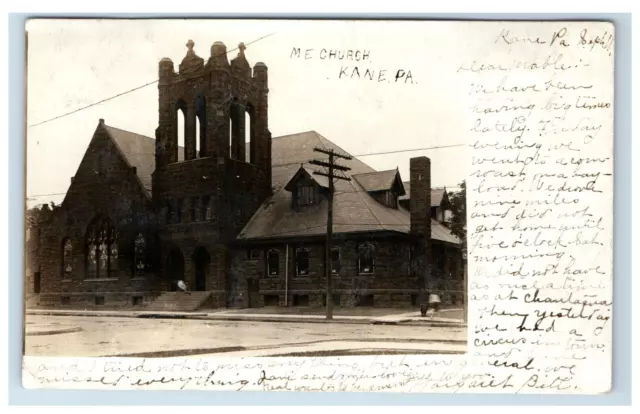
(216, 166)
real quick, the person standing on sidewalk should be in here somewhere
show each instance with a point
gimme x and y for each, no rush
(183, 287)
(434, 303)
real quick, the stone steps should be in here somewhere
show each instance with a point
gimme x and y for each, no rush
(179, 302)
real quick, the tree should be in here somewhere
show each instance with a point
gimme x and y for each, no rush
(458, 225)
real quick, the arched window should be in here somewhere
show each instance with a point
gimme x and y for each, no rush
(140, 245)
(67, 255)
(247, 134)
(201, 126)
(237, 118)
(102, 248)
(365, 258)
(181, 126)
(273, 262)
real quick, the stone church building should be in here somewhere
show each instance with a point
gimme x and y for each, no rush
(235, 213)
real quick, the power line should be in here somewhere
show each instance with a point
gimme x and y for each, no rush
(359, 155)
(298, 162)
(94, 104)
(409, 150)
(383, 153)
(128, 91)
(336, 193)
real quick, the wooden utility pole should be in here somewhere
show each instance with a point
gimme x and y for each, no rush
(331, 167)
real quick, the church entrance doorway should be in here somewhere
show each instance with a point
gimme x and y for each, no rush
(202, 261)
(175, 267)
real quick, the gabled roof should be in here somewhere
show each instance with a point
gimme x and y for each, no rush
(354, 209)
(381, 181)
(437, 194)
(139, 151)
(320, 180)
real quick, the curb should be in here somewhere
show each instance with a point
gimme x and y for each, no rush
(257, 318)
(54, 331)
(284, 319)
(174, 353)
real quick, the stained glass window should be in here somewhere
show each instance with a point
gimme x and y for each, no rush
(102, 248)
(67, 250)
(139, 245)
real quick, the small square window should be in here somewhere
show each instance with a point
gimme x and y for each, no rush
(253, 254)
(65, 300)
(365, 301)
(99, 300)
(300, 300)
(307, 195)
(136, 300)
(271, 300)
(336, 300)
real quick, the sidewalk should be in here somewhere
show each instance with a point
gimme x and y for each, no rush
(345, 348)
(410, 318)
(50, 329)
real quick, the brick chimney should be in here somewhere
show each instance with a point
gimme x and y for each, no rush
(420, 195)
(420, 202)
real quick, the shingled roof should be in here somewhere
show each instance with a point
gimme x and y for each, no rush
(139, 151)
(436, 194)
(380, 180)
(354, 209)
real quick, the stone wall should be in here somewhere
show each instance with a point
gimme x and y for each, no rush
(390, 285)
(104, 185)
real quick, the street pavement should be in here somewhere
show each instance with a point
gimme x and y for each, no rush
(74, 335)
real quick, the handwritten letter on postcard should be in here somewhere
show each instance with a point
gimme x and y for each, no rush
(533, 103)
(540, 194)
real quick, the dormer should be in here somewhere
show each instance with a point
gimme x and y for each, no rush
(306, 188)
(440, 208)
(440, 205)
(385, 186)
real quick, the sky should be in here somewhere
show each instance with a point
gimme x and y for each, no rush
(412, 101)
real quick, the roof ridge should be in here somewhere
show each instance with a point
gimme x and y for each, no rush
(129, 132)
(376, 172)
(295, 133)
(320, 141)
(123, 155)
